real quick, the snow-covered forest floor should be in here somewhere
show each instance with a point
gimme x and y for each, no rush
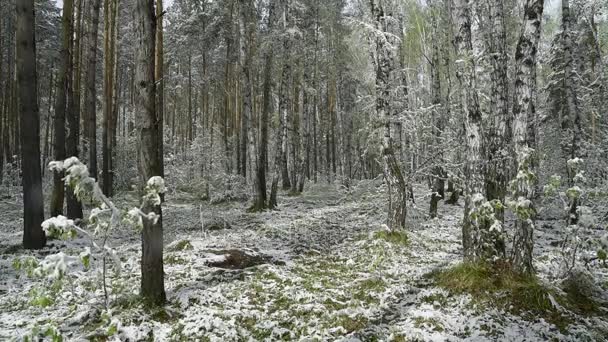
(326, 270)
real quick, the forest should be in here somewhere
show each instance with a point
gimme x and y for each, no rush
(303, 170)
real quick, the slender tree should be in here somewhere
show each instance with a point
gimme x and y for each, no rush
(160, 82)
(91, 89)
(74, 208)
(386, 51)
(61, 107)
(479, 241)
(524, 111)
(152, 273)
(33, 210)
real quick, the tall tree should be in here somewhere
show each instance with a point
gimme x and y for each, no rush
(152, 273)
(386, 58)
(499, 140)
(280, 166)
(571, 124)
(33, 210)
(91, 89)
(260, 197)
(74, 208)
(480, 241)
(159, 74)
(524, 111)
(61, 107)
(110, 13)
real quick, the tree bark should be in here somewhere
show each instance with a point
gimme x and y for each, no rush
(74, 208)
(524, 110)
(479, 242)
(90, 101)
(386, 60)
(152, 273)
(57, 197)
(500, 139)
(33, 210)
(281, 142)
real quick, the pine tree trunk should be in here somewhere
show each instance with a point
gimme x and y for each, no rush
(160, 82)
(33, 210)
(523, 110)
(152, 274)
(280, 167)
(108, 104)
(57, 196)
(74, 208)
(91, 89)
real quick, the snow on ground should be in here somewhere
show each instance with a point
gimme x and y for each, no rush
(329, 275)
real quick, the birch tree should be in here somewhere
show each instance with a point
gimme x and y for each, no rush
(524, 110)
(480, 235)
(386, 58)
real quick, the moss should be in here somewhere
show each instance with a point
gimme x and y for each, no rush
(395, 237)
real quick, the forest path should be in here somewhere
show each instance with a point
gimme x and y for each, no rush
(332, 274)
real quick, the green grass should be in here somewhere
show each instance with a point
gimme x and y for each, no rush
(395, 237)
(181, 245)
(519, 294)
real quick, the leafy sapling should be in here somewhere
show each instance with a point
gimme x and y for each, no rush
(579, 242)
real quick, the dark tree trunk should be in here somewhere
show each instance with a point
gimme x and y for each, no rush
(60, 109)
(74, 208)
(152, 273)
(91, 89)
(33, 210)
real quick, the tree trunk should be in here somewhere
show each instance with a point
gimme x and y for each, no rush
(500, 140)
(152, 274)
(108, 104)
(386, 60)
(74, 208)
(439, 119)
(260, 199)
(33, 210)
(281, 143)
(524, 110)
(57, 197)
(91, 89)
(478, 240)
(159, 73)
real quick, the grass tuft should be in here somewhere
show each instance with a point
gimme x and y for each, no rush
(392, 236)
(519, 294)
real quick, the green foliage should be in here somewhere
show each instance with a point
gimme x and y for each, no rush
(27, 264)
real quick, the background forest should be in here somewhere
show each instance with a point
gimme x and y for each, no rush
(241, 170)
